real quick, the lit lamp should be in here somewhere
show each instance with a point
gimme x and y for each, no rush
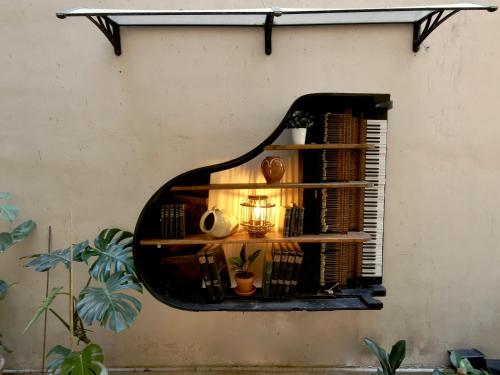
(257, 215)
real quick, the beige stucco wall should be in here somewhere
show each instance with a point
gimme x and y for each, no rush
(84, 130)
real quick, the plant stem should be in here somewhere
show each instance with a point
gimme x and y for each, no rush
(60, 318)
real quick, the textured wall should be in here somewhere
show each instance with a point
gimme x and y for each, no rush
(82, 129)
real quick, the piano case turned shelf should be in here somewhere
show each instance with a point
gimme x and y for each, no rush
(342, 169)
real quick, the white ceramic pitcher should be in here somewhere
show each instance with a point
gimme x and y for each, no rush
(218, 223)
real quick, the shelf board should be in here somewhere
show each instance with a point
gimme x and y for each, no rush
(283, 185)
(347, 299)
(424, 19)
(272, 237)
(324, 146)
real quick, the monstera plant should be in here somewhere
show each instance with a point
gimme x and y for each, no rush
(389, 362)
(9, 213)
(102, 300)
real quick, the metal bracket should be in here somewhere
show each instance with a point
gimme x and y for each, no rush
(268, 28)
(110, 29)
(432, 21)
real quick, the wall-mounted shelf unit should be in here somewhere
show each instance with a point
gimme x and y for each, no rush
(339, 186)
(424, 19)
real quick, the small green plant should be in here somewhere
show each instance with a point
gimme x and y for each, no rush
(242, 263)
(389, 363)
(9, 213)
(300, 119)
(459, 363)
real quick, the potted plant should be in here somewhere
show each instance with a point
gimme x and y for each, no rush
(299, 122)
(244, 278)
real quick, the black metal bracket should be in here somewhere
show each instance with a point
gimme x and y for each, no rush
(268, 28)
(110, 29)
(432, 21)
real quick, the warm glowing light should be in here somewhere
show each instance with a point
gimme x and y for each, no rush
(257, 215)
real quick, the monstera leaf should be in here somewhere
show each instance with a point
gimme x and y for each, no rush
(17, 235)
(45, 262)
(61, 352)
(44, 306)
(106, 305)
(9, 212)
(88, 361)
(113, 250)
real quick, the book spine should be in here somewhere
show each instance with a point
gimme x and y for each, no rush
(293, 221)
(282, 271)
(182, 221)
(289, 269)
(301, 221)
(266, 274)
(286, 224)
(162, 222)
(299, 254)
(214, 275)
(170, 221)
(206, 275)
(276, 252)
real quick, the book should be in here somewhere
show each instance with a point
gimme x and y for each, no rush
(276, 253)
(282, 270)
(206, 274)
(286, 223)
(266, 273)
(182, 221)
(299, 255)
(289, 269)
(301, 222)
(293, 221)
(219, 272)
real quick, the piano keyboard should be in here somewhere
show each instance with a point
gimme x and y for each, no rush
(376, 134)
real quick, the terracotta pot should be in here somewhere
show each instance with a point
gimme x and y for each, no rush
(244, 280)
(299, 136)
(273, 168)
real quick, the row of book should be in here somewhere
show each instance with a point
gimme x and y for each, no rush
(214, 271)
(281, 270)
(173, 221)
(294, 221)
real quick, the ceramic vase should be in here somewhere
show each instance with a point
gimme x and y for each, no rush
(218, 223)
(299, 136)
(273, 169)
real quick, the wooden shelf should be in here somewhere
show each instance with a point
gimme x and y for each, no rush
(284, 185)
(323, 146)
(273, 237)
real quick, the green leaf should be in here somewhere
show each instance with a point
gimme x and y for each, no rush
(47, 261)
(455, 359)
(254, 256)
(465, 364)
(380, 354)
(6, 241)
(23, 230)
(61, 352)
(397, 355)
(3, 289)
(5, 195)
(88, 361)
(110, 308)
(379, 371)
(9, 212)
(113, 249)
(44, 306)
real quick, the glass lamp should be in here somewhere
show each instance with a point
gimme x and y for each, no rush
(257, 215)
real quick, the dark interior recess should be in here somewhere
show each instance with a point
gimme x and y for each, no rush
(171, 272)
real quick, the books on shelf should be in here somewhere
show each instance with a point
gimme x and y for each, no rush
(173, 221)
(214, 272)
(281, 270)
(293, 225)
